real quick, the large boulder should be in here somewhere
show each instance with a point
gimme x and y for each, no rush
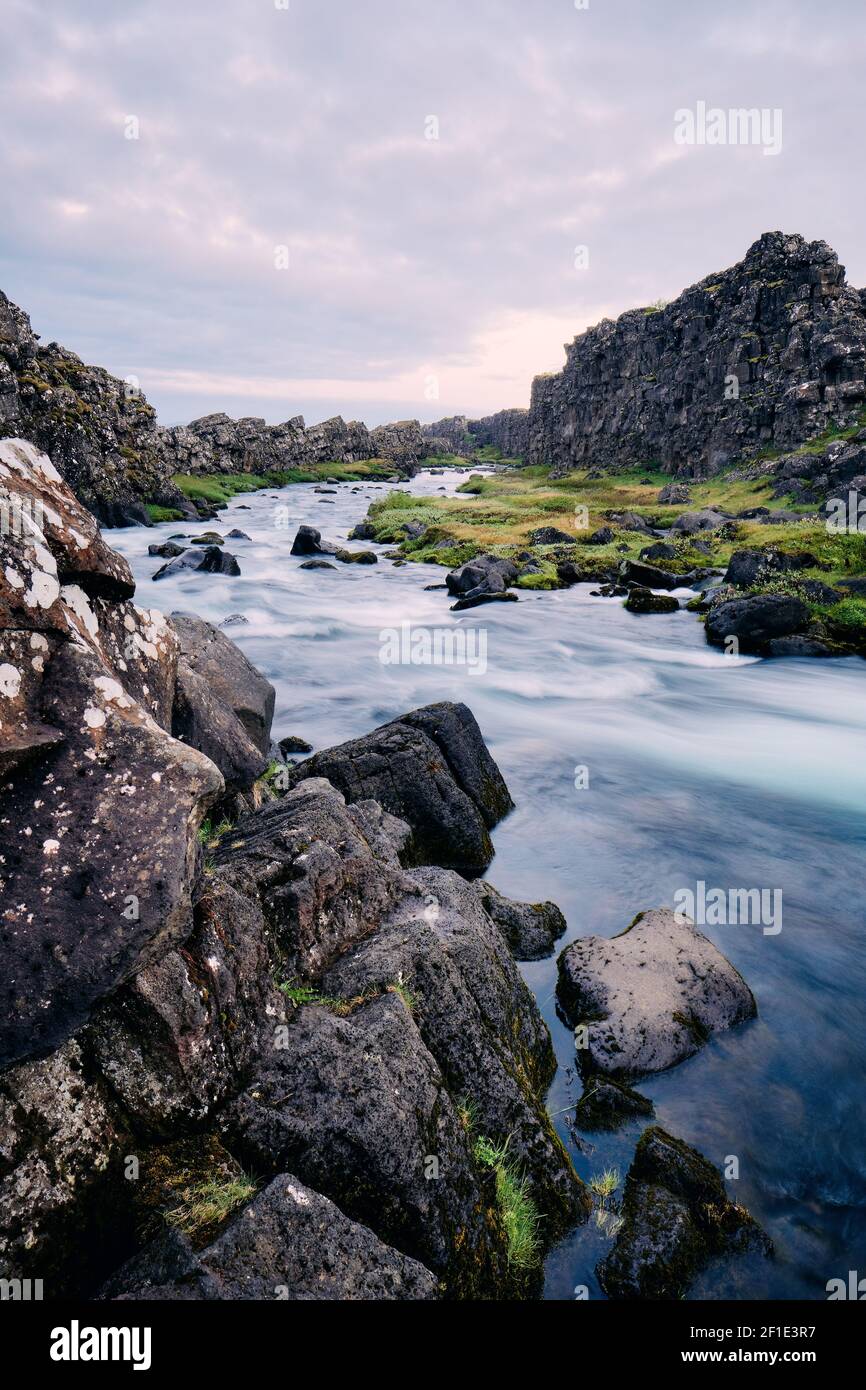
(693, 523)
(649, 997)
(288, 1243)
(207, 559)
(747, 568)
(676, 1217)
(432, 769)
(103, 809)
(238, 683)
(487, 574)
(755, 620)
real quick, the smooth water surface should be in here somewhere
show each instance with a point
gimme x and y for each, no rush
(737, 772)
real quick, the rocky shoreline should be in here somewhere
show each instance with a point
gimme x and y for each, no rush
(264, 1035)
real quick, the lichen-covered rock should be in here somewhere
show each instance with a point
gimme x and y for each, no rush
(651, 385)
(289, 1243)
(649, 997)
(100, 818)
(676, 1217)
(432, 769)
(641, 600)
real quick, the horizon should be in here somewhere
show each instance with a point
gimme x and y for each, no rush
(431, 214)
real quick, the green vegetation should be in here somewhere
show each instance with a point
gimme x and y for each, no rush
(300, 995)
(516, 1208)
(219, 488)
(158, 514)
(210, 834)
(208, 1203)
(604, 1185)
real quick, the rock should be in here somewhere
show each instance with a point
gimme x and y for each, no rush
(674, 492)
(799, 646)
(308, 541)
(362, 532)
(607, 1104)
(676, 1217)
(477, 1019)
(484, 574)
(755, 620)
(288, 1243)
(432, 769)
(651, 996)
(292, 744)
(746, 568)
(642, 600)
(103, 805)
(208, 538)
(228, 673)
(237, 535)
(531, 929)
(474, 599)
(331, 1103)
(316, 565)
(603, 536)
(167, 550)
(211, 560)
(549, 535)
(632, 521)
(324, 873)
(611, 591)
(356, 557)
(650, 577)
(646, 386)
(235, 620)
(660, 550)
(691, 523)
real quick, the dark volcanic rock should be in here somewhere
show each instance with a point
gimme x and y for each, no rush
(747, 568)
(756, 620)
(103, 809)
(798, 646)
(289, 1243)
(432, 769)
(782, 322)
(674, 492)
(484, 574)
(549, 535)
(603, 536)
(211, 559)
(292, 744)
(607, 1104)
(475, 599)
(649, 997)
(642, 600)
(531, 929)
(676, 1217)
(659, 550)
(650, 577)
(231, 677)
(308, 541)
(168, 550)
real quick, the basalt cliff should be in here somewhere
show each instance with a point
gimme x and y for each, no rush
(104, 438)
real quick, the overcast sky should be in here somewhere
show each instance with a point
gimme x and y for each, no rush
(415, 264)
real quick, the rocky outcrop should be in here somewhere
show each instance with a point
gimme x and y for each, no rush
(104, 440)
(506, 430)
(676, 1217)
(289, 1243)
(432, 769)
(531, 929)
(756, 620)
(649, 997)
(101, 805)
(763, 355)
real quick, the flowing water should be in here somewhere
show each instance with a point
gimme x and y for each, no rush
(641, 761)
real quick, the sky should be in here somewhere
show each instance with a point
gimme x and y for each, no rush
(400, 208)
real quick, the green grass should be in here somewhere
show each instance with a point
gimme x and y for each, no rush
(210, 834)
(210, 1202)
(518, 1211)
(604, 1184)
(220, 488)
(158, 514)
(300, 995)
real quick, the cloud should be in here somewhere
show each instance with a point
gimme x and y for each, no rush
(408, 257)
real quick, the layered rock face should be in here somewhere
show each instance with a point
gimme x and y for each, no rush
(104, 439)
(506, 430)
(764, 355)
(310, 998)
(100, 432)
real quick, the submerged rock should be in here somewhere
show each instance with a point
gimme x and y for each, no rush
(649, 997)
(641, 600)
(211, 559)
(676, 1217)
(607, 1104)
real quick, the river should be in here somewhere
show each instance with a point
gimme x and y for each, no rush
(641, 761)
